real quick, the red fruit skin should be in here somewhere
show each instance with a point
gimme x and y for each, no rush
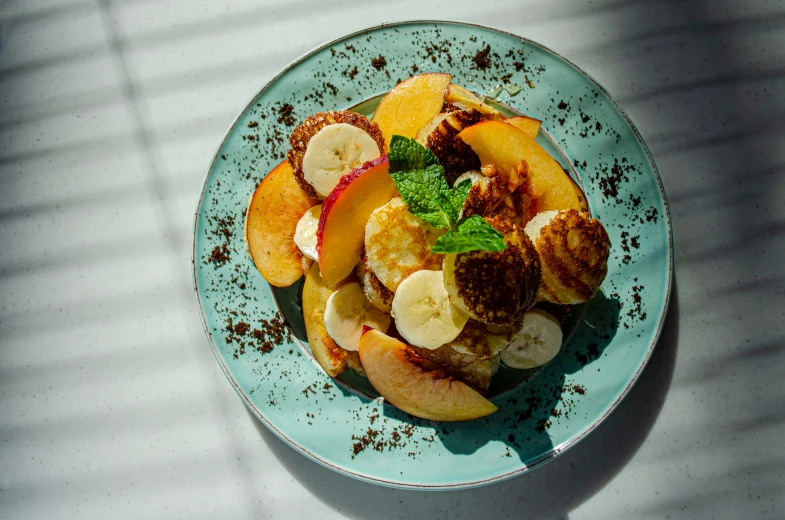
(345, 181)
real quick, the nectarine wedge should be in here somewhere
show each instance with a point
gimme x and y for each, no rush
(506, 147)
(402, 378)
(411, 104)
(341, 233)
(529, 125)
(270, 222)
(327, 352)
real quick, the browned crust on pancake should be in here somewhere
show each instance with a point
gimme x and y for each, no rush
(574, 250)
(496, 286)
(303, 133)
(494, 199)
(485, 341)
(384, 294)
(454, 155)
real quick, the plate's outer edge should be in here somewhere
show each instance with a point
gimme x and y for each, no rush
(556, 450)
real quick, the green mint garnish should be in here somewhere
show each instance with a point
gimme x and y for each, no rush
(472, 233)
(407, 155)
(420, 180)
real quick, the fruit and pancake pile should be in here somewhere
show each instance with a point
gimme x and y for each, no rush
(429, 237)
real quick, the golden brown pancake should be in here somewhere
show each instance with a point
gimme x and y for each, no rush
(303, 133)
(574, 251)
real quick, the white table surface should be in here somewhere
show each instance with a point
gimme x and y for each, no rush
(111, 403)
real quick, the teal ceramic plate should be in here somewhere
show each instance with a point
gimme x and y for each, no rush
(339, 423)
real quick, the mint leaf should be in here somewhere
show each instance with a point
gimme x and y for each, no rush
(407, 155)
(420, 180)
(458, 196)
(472, 234)
(424, 191)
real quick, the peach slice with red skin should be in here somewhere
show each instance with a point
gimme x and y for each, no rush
(341, 232)
(270, 223)
(408, 382)
(507, 148)
(411, 104)
(529, 125)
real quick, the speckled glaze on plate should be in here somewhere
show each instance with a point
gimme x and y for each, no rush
(338, 423)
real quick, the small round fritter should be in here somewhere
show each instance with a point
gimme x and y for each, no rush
(484, 341)
(573, 249)
(303, 133)
(380, 296)
(495, 287)
(489, 197)
(398, 243)
(441, 136)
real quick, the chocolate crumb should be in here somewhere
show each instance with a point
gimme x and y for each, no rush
(379, 63)
(241, 328)
(482, 60)
(219, 256)
(285, 114)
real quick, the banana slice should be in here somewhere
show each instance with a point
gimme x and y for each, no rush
(333, 152)
(538, 341)
(347, 311)
(423, 313)
(312, 125)
(399, 243)
(305, 232)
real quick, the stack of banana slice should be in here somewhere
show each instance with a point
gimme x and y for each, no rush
(465, 312)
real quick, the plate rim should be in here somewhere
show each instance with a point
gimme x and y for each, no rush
(555, 451)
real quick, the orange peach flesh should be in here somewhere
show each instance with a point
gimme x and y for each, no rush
(506, 147)
(341, 231)
(315, 294)
(411, 104)
(276, 206)
(392, 370)
(529, 125)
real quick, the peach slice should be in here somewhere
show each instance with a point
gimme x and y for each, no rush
(464, 98)
(405, 380)
(270, 222)
(528, 124)
(327, 352)
(411, 104)
(510, 151)
(341, 233)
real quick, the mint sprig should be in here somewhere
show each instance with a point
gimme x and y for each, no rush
(472, 233)
(420, 180)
